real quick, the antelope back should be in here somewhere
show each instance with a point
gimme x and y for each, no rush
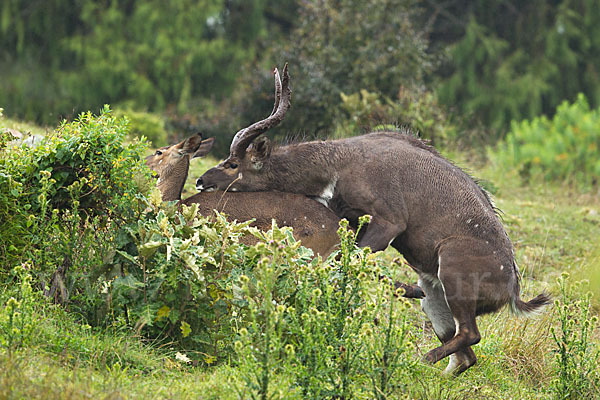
(314, 224)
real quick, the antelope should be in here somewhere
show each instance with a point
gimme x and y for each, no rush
(313, 224)
(437, 216)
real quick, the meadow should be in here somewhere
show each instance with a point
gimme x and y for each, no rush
(144, 310)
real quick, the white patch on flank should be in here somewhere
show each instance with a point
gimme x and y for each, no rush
(323, 226)
(431, 279)
(327, 193)
(476, 225)
(435, 305)
(233, 189)
(501, 267)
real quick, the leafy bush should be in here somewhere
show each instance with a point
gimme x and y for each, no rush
(577, 355)
(415, 108)
(337, 47)
(324, 325)
(564, 148)
(60, 201)
(152, 126)
(173, 272)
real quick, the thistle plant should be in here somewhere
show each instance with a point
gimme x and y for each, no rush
(576, 354)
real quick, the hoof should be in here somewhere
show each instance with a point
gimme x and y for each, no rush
(410, 291)
(429, 358)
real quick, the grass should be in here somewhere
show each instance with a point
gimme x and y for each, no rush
(24, 127)
(555, 229)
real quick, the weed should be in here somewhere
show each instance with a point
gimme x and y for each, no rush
(576, 354)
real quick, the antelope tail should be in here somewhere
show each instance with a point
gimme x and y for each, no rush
(533, 307)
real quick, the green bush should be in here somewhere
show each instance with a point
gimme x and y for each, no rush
(576, 353)
(415, 108)
(324, 325)
(564, 148)
(171, 275)
(60, 203)
(140, 123)
(338, 47)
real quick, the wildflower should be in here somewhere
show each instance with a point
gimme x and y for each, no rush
(12, 303)
(289, 349)
(182, 357)
(365, 219)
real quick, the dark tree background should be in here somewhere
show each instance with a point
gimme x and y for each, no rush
(205, 64)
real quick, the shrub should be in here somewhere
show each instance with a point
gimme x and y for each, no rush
(564, 148)
(577, 355)
(324, 325)
(171, 277)
(415, 108)
(140, 123)
(332, 51)
(60, 201)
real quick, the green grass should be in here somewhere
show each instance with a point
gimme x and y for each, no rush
(23, 127)
(554, 229)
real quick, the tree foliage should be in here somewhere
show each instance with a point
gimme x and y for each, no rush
(515, 60)
(150, 55)
(337, 48)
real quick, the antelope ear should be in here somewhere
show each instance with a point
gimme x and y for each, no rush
(205, 147)
(260, 149)
(190, 145)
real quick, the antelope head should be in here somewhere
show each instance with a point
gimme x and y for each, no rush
(171, 164)
(247, 165)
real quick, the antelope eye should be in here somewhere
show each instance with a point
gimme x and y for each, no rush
(158, 153)
(233, 165)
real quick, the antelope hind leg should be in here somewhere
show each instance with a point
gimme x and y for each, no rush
(435, 307)
(459, 286)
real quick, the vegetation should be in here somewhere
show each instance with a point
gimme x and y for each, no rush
(490, 62)
(514, 60)
(161, 302)
(564, 148)
(106, 291)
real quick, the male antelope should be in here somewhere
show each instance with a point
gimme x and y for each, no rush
(427, 208)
